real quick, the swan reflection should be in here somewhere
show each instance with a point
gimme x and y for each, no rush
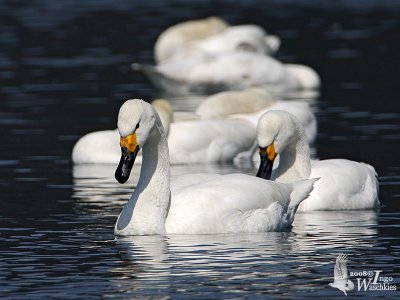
(316, 232)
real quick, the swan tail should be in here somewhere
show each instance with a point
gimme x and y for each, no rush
(372, 185)
(300, 191)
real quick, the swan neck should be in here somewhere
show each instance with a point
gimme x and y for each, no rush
(294, 161)
(147, 209)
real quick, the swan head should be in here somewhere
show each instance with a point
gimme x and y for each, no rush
(136, 119)
(276, 130)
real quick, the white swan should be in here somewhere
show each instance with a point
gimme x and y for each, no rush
(344, 184)
(234, 70)
(251, 38)
(192, 141)
(179, 36)
(211, 36)
(196, 203)
(250, 104)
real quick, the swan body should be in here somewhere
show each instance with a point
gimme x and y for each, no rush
(224, 104)
(242, 37)
(250, 38)
(192, 141)
(195, 203)
(250, 104)
(97, 147)
(234, 70)
(211, 36)
(343, 184)
(208, 141)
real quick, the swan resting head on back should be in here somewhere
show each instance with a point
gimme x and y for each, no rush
(193, 203)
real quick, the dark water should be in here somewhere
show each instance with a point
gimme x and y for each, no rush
(64, 71)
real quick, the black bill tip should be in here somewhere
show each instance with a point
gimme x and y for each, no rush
(265, 168)
(125, 164)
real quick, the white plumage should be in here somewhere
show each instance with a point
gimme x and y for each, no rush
(235, 70)
(179, 37)
(211, 36)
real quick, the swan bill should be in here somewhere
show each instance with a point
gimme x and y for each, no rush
(267, 157)
(129, 150)
(125, 164)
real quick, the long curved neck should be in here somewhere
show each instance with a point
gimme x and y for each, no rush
(294, 161)
(147, 209)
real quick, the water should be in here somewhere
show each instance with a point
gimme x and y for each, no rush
(64, 71)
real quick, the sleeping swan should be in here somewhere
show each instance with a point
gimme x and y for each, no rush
(234, 70)
(210, 36)
(250, 104)
(344, 184)
(179, 36)
(195, 203)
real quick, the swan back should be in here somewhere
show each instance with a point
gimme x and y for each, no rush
(232, 70)
(233, 203)
(233, 102)
(242, 37)
(179, 36)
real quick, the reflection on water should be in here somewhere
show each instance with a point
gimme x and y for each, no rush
(235, 264)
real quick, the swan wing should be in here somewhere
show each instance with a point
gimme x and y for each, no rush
(227, 203)
(209, 140)
(344, 184)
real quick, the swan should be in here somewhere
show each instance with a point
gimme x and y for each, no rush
(193, 203)
(250, 38)
(191, 141)
(211, 35)
(250, 104)
(179, 36)
(343, 184)
(235, 70)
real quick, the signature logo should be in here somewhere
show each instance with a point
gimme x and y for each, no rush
(366, 280)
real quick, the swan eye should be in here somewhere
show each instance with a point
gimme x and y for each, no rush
(137, 126)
